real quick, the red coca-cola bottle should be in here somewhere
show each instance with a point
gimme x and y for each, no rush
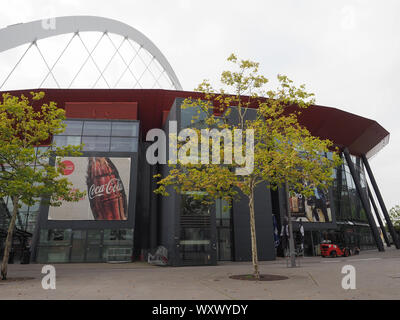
(106, 191)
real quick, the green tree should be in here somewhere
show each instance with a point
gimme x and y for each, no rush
(394, 214)
(22, 129)
(285, 153)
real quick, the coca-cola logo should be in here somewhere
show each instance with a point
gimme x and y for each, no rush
(67, 167)
(114, 185)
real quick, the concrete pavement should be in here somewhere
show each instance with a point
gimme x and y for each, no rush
(377, 277)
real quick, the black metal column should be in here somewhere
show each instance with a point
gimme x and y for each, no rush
(378, 217)
(364, 201)
(381, 203)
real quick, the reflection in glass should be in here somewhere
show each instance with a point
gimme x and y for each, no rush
(61, 141)
(74, 128)
(124, 129)
(124, 144)
(78, 246)
(53, 254)
(191, 206)
(55, 236)
(96, 143)
(97, 128)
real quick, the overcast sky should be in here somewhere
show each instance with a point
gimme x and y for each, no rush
(346, 52)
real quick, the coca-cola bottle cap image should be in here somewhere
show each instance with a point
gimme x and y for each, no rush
(105, 190)
(68, 167)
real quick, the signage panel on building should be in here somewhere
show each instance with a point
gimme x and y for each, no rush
(312, 209)
(106, 181)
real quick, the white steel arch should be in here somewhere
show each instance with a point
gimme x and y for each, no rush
(23, 33)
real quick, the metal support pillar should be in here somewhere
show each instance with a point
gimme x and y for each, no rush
(385, 236)
(392, 231)
(364, 201)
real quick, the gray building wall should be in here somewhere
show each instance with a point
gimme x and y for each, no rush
(264, 226)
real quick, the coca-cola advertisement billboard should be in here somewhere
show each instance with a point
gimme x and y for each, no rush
(106, 181)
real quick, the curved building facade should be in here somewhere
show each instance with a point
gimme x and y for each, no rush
(113, 125)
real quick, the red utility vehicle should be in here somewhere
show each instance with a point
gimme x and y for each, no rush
(329, 249)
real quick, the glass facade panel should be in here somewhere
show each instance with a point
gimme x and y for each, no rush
(125, 129)
(97, 128)
(85, 245)
(93, 253)
(35, 207)
(348, 203)
(55, 237)
(195, 245)
(53, 254)
(224, 249)
(96, 135)
(191, 206)
(224, 230)
(94, 237)
(187, 115)
(61, 141)
(124, 144)
(32, 218)
(78, 246)
(96, 143)
(118, 237)
(74, 128)
(117, 253)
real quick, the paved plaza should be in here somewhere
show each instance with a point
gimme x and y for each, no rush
(377, 277)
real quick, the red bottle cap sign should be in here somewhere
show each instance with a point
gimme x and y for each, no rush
(69, 167)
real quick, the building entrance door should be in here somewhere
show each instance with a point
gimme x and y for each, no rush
(224, 230)
(197, 242)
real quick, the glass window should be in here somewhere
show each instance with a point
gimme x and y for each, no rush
(192, 206)
(23, 206)
(117, 253)
(96, 143)
(40, 150)
(61, 141)
(55, 236)
(78, 246)
(31, 221)
(74, 128)
(97, 128)
(93, 253)
(118, 237)
(53, 254)
(94, 237)
(125, 129)
(35, 207)
(124, 144)
(23, 215)
(195, 114)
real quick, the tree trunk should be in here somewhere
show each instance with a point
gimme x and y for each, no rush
(9, 238)
(254, 256)
(291, 240)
